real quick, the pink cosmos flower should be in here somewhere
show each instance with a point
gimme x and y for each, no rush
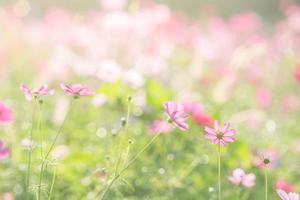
(220, 135)
(4, 152)
(76, 90)
(176, 115)
(239, 177)
(160, 126)
(36, 93)
(285, 186)
(287, 196)
(6, 115)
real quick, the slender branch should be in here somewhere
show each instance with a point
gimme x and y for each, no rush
(219, 172)
(116, 177)
(52, 184)
(30, 154)
(266, 184)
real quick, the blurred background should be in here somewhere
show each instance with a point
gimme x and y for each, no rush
(234, 61)
(269, 9)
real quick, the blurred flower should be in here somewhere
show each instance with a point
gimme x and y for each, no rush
(263, 97)
(6, 115)
(287, 196)
(285, 186)
(239, 177)
(220, 135)
(160, 126)
(99, 100)
(267, 159)
(37, 93)
(76, 90)
(198, 114)
(60, 152)
(176, 115)
(297, 73)
(113, 4)
(27, 143)
(4, 151)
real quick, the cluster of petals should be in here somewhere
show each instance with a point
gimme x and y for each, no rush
(176, 115)
(197, 113)
(241, 178)
(4, 151)
(36, 93)
(76, 90)
(220, 135)
(6, 114)
(285, 186)
(287, 196)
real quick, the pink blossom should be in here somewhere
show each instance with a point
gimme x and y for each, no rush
(285, 186)
(239, 177)
(267, 159)
(4, 151)
(76, 90)
(287, 196)
(36, 93)
(160, 126)
(297, 73)
(220, 135)
(263, 97)
(6, 115)
(198, 114)
(176, 115)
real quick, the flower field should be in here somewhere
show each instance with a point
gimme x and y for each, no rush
(134, 100)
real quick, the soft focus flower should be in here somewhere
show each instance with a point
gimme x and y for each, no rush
(285, 186)
(76, 90)
(263, 97)
(37, 93)
(297, 73)
(6, 115)
(27, 143)
(60, 152)
(198, 114)
(176, 115)
(160, 126)
(4, 151)
(287, 196)
(220, 135)
(239, 177)
(267, 159)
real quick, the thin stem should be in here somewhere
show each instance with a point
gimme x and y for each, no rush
(219, 172)
(52, 184)
(239, 193)
(40, 127)
(128, 165)
(41, 140)
(120, 141)
(266, 184)
(59, 131)
(29, 154)
(50, 150)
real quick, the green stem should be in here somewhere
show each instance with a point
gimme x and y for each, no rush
(266, 184)
(41, 140)
(120, 140)
(52, 184)
(29, 155)
(128, 165)
(50, 150)
(239, 193)
(219, 172)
